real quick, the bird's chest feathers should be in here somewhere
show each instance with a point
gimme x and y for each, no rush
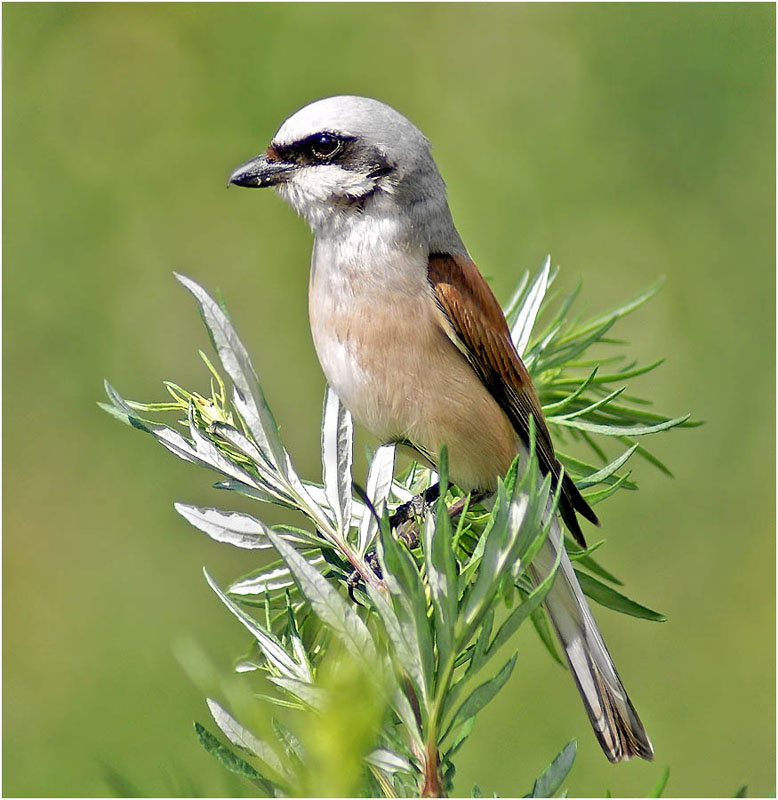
(362, 319)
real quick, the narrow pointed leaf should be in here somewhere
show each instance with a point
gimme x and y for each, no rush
(337, 444)
(481, 695)
(251, 403)
(240, 530)
(608, 470)
(242, 737)
(525, 319)
(388, 761)
(610, 598)
(661, 784)
(271, 648)
(525, 608)
(622, 430)
(326, 603)
(304, 691)
(441, 577)
(551, 779)
(230, 761)
(379, 483)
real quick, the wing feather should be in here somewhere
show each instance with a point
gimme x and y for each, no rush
(478, 328)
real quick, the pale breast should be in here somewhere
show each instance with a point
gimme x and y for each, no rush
(384, 352)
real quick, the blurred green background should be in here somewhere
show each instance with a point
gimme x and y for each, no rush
(631, 141)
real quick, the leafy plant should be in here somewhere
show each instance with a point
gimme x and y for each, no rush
(426, 618)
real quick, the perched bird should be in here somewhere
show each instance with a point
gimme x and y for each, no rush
(415, 345)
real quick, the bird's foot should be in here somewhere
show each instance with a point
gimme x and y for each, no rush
(406, 528)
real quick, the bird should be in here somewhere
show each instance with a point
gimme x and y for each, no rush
(415, 345)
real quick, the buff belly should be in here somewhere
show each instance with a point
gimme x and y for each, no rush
(409, 382)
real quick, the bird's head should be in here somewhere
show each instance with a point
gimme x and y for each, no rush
(334, 156)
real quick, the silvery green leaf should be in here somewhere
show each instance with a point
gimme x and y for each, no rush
(305, 691)
(230, 761)
(267, 580)
(400, 493)
(263, 495)
(240, 530)
(515, 303)
(622, 430)
(337, 444)
(269, 475)
(250, 399)
(608, 470)
(404, 645)
(555, 408)
(481, 695)
(209, 454)
(388, 761)
(272, 649)
(603, 401)
(550, 781)
(409, 601)
(327, 604)
(305, 502)
(661, 784)
(242, 737)
(525, 608)
(379, 482)
(610, 598)
(168, 437)
(404, 711)
(525, 319)
(458, 736)
(508, 521)
(441, 578)
(294, 749)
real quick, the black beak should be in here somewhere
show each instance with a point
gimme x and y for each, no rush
(260, 172)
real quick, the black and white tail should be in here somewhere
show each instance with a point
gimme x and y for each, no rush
(614, 719)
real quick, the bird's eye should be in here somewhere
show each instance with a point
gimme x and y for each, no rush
(324, 145)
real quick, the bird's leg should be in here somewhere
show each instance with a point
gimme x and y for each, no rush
(405, 525)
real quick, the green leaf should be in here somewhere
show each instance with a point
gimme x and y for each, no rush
(592, 498)
(525, 608)
(659, 789)
(308, 693)
(458, 737)
(608, 470)
(742, 790)
(409, 601)
(231, 527)
(271, 648)
(337, 445)
(379, 483)
(553, 408)
(539, 621)
(326, 603)
(527, 314)
(388, 761)
(603, 401)
(268, 579)
(441, 569)
(229, 760)
(551, 779)
(243, 738)
(622, 430)
(248, 397)
(481, 695)
(610, 598)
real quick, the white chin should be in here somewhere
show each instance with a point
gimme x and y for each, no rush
(316, 193)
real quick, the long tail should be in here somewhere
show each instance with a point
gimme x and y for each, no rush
(614, 719)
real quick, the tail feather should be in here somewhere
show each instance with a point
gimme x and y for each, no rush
(613, 717)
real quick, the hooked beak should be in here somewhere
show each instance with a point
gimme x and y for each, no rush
(260, 172)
